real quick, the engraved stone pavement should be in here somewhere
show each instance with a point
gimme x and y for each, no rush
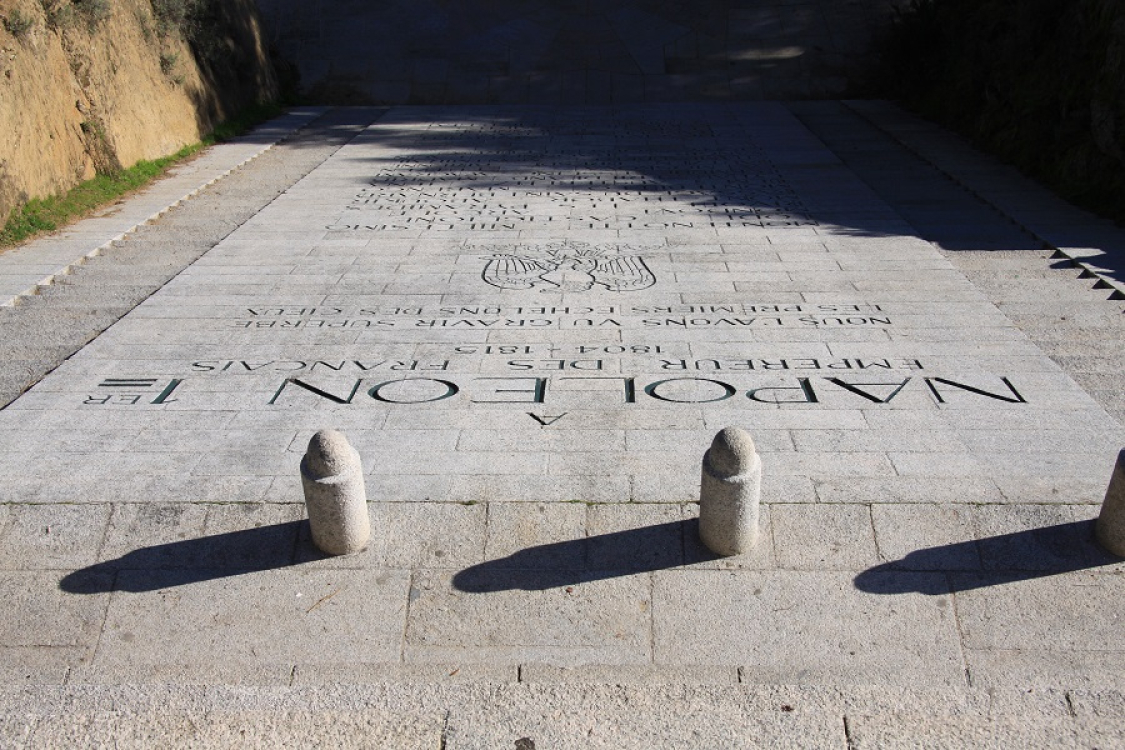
(530, 322)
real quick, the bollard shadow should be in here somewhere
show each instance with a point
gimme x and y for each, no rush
(595, 558)
(195, 560)
(992, 561)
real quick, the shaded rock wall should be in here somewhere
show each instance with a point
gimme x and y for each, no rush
(1040, 83)
(99, 85)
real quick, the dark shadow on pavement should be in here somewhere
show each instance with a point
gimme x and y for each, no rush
(196, 560)
(680, 149)
(992, 561)
(595, 558)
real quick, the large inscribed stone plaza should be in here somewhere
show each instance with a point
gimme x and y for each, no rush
(530, 322)
(554, 304)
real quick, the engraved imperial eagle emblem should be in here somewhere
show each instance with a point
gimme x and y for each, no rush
(569, 267)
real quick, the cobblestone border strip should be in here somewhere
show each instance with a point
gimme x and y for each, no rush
(182, 184)
(944, 153)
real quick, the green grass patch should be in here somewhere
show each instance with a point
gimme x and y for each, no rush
(41, 215)
(48, 214)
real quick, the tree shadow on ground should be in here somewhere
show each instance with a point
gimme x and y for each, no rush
(568, 53)
(992, 561)
(695, 166)
(668, 166)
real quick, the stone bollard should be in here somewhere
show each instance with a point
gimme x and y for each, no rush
(334, 494)
(730, 493)
(1110, 528)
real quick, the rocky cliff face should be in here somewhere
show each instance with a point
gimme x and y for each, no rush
(89, 85)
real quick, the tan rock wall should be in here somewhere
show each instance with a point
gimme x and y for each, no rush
(79, 95)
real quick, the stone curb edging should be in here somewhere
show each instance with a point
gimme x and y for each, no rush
(270, 134)
(880, 115)
(490, 713)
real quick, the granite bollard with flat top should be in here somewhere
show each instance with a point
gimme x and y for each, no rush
(334, 494)
(730, 493)
(1111, 521)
